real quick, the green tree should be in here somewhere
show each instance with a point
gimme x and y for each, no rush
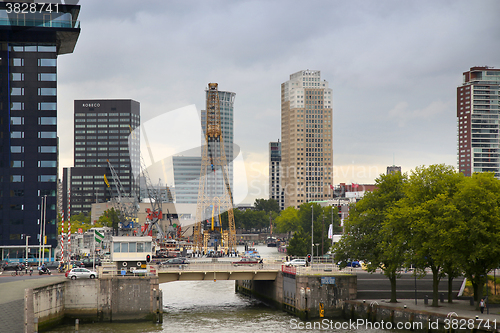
(431, 219)
(269, 205)
(300, 244)
(248, 219)
(114, 217)
(478, 203)
(77, 221)
(373, 234)
(103, 221)
(287, 220)
(301, 222)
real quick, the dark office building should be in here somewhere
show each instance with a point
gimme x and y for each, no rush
(393, 168)
(29, 45)
(103, 132)
(276, 192)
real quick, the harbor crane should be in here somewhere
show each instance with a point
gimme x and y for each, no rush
(154, 214)
(127, 210)
(211, 202)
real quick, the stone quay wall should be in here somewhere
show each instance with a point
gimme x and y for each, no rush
(107, 299)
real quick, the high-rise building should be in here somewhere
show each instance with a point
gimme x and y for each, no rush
(103, 133)
(226, 108)
(306, 138)
(275, 190)
(30, 43)
(393, 168)
(186, 178)
(479, 121)
(187, 168)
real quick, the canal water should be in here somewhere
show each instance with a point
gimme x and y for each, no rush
(207, 306)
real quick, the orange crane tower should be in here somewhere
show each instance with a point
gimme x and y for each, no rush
(213, 171)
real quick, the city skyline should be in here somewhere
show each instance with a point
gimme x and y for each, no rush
(393, 69)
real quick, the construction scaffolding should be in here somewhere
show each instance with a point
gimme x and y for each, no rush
(212, 199)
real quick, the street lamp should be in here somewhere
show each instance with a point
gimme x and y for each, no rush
(312, 232)
(27, 237)
(42, 234)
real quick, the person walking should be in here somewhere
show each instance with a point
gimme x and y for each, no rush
(481, 305)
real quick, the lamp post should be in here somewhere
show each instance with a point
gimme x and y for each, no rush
(312, 232)
(27, 237)
(40, 234)
(43, 232)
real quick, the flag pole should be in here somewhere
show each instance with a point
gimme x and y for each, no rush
(93, 254)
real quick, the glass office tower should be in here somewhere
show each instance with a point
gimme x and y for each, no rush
(29, 46)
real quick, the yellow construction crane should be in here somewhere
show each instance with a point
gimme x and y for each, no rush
(213, 172)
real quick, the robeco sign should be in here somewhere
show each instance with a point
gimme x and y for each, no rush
(91, 105)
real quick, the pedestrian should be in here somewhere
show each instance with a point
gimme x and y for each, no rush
(481, 305)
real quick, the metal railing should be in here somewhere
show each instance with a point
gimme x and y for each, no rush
(39, 23)
(227, 266)
(219, 267)
(315, 269)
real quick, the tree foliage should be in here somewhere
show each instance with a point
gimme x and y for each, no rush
(269, 205)
(434, 219)
(431, 218)
(478, 203)
(77, 221)
(372, 236)
(301, 221)
(248, 219)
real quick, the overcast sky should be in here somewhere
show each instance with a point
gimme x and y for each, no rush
(394, 67)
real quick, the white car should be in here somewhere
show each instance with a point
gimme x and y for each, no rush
(296, 262)
(81, 273)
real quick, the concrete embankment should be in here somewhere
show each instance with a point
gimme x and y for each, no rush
(458, 316)
(107, 299)
(307, 296)
(12, 300)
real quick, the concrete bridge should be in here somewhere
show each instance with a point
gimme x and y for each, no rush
(228, 271)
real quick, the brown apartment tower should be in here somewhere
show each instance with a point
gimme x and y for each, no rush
(478, 121)
(306, 138)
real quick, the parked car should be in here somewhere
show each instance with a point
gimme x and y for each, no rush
(246, 261)
(89, 262)
(349, 263)
(174, 262)
(296, 262)
(76, 264)
(81, 273)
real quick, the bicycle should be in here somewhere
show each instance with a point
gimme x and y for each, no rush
(20, 273)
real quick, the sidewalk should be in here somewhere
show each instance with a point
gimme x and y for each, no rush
(12, 300)
(459, 308)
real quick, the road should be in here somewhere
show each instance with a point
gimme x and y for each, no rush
(377, 286)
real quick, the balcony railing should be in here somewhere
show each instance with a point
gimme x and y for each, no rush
(39, 23)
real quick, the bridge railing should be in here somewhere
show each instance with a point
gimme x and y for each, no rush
(275, 266)
(220, 266)
(320, 269)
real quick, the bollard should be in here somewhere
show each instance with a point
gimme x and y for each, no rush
(77, 322)
(36, 324)
(441, 298)
(426, 300)
(404, 306)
